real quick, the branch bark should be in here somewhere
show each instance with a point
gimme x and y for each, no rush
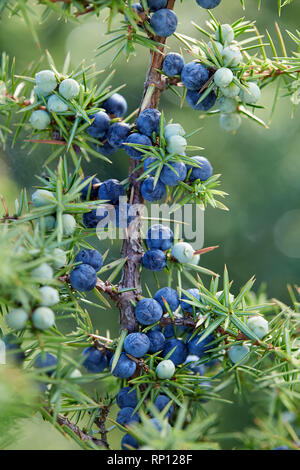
(132, 245)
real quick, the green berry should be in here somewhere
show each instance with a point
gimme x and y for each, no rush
(177, 144)
(258, 325)
(56, 104)
(47, 222)
(43, 318)
(16, 318)
(173, 129)
(59, 258)
(251, 95)
(230, 91)
(223, 77)
(227, 34)
(165, 369)
(69, 88)
(232, 56)
(227, 105)
(46, 81)
(69, 224)
(43, 273)
(49, 296)
(42, 197)
(183, 252)
(230, 122)
(39, 119)
(237, 353)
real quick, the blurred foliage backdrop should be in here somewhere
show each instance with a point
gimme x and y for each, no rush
(260, 235)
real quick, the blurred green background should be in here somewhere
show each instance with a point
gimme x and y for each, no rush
(260, 168)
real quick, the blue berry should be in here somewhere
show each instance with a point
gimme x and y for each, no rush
(197, 348)
(208, 4)
(12, 348)
(159, 237)
(169, 331)
(148, 311)
(125, 215)
(173, 64)
(155, 5)
(164, 22)
(94, 360)
(180, 353)
(46, 360)
(111, 190)
(127, 397)
(193, 365)
(116, 104)
(126, 416)
(148, 122)
(171, 177)
(139, 139)
(155, 260)
(91, 257)
(151, 193)
(137, 344)
(157, 341)
(99, 126)
(161, 402)
(184, 305)
(88, 189)
(193, 97)
(281, 448)
(92, 219)
(125, 367)
(117, 134)
(170, 296)
(201, 173)
(83, 278)
(129, 441)
(147, 162)
(194, 76)
(105, 149)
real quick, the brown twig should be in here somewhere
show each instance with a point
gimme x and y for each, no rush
(64, 421)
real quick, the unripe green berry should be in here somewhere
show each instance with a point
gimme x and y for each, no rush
(251, 95)
(173, 129)
(43, 318)
(230, 91)
(237, 353)
(39, 119)
(223, 77)
(165, 369)
(227, 105)
(47, 222)
(183, 252)
(227, 34)
(46, 81)
(69, 224)
(177, 144)
(49, 296)
(230, 122)
(258, 325)
(59, 258)
(69, 88)
(42, 197)
(231, 296)
(42, 273)
(75, 374)
(232, 56)
(56, 104)
(16, 318)
(218, 45)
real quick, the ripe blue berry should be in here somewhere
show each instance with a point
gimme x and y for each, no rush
(155, 5)
(125, 215)
(116, 104)
(126, 416)
(151, 193)
(46, 360)
(83, 278)
(147, 163)
(127, 397)
(117, 134)
(124, 368)
(12, 348)
(159, 237)
(69, 88)
(139, 139)
(94, 360)
(137, 344)
(208, 102)
(148, 122)
(92, 219)
(154, 260)
(201, 173)
(208, 4)
(184, 305)
(170, 296)
(90, 190)
(172, 176)
(180, 353)
(99, 126)
(164, 22)
(197, 348)
(110, 191)
(91, 257)
(39, 119)
(194, 76)
(161, 402)
(157, 341)
(148, 311)
(129, 441)
(105, 149)
(193, 365)
(169, 331)
(173, 64)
